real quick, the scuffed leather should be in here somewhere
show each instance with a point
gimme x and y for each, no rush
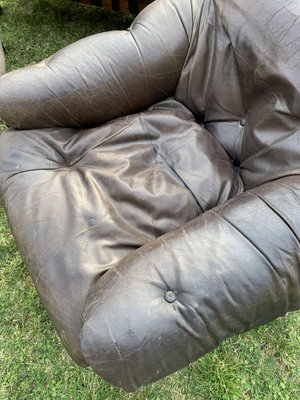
(153, 184)
(228, 276)
(103, 76)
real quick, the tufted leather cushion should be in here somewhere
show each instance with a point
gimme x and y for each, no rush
(151, 181)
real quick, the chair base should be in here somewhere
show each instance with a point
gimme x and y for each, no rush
(2, 60)
(126, 6)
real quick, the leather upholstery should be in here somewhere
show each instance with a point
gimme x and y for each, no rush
(151, 181)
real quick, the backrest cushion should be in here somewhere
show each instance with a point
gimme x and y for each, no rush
(241, 79)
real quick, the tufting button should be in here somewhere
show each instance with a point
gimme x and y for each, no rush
(243, 122)
(92, 221)
(170, 296)
(236, 163)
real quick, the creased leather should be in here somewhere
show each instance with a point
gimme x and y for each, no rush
(151, 181)
(103, 76)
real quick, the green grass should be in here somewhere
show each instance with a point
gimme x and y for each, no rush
(262, 364)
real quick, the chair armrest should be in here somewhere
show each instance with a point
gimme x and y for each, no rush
(103, 76)
(176, 298)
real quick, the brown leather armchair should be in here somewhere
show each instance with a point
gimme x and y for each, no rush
(151, 182)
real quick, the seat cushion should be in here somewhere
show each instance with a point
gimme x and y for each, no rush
(78, 201)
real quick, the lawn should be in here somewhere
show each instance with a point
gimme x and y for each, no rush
(262, 364)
